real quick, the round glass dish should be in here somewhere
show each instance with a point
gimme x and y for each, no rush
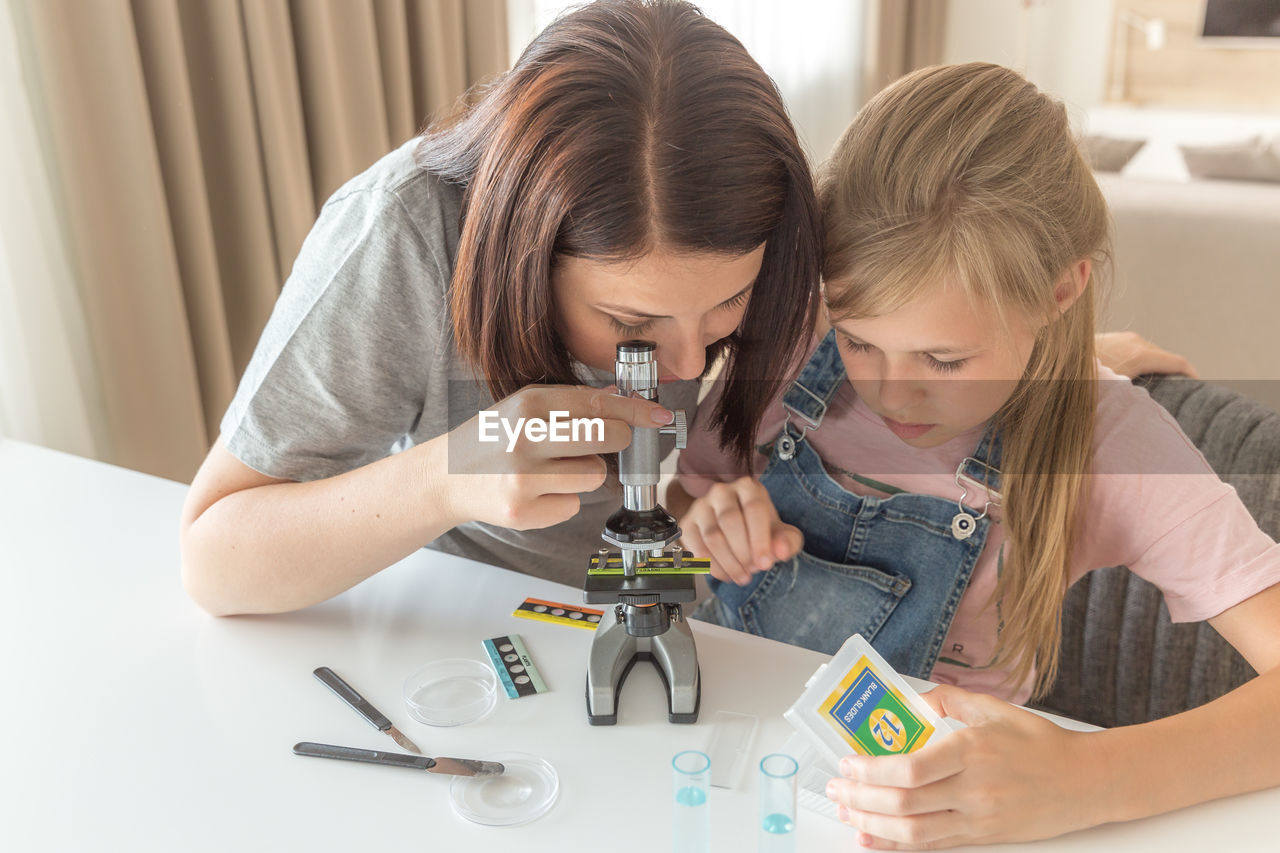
(451, 692)
(525, 791)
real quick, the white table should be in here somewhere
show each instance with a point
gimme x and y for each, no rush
(133, 721)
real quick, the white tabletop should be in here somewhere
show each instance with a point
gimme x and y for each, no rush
(133, 721)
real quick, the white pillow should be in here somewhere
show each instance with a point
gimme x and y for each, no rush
(1109, 153)
(1256, 159)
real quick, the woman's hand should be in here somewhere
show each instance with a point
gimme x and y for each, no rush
(1130, 354)
(736, 526)
(1010, 776)
(523, 480)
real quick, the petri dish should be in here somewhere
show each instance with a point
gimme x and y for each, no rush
(526, 791)
(451, 692)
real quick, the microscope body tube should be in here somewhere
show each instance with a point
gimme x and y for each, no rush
(637, 467)
(636, 374)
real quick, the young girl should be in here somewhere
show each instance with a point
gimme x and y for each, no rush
(951, 457)
(635, 174)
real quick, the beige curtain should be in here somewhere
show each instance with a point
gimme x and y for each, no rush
(193, 142)
(902, 35)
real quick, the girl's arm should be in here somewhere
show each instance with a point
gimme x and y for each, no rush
(1013, 776)
(1228, 746)
(255, 544)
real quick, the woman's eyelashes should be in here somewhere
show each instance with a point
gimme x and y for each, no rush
(737, 301)
(625, 329)
(934, 363)
(640, 328)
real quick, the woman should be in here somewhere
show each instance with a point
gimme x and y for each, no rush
(634, 174)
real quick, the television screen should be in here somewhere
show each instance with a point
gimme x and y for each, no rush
(1236, 19)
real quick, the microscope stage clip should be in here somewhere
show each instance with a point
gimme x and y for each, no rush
(686, 564)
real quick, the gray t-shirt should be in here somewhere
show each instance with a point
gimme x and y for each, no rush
(358, 361)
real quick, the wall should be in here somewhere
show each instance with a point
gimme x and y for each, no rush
(1188, 72)
(1061, 45)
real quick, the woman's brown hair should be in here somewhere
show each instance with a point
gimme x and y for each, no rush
(629, 126)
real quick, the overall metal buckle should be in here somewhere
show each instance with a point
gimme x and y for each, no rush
(786, 444)
(965, 523)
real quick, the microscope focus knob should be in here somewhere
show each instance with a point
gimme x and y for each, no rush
(678, 427)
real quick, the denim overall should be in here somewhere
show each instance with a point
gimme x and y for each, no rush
(892, 569)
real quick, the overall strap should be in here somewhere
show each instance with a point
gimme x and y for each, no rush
(983, 467)
(818, 382)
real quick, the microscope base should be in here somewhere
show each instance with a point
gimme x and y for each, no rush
(614, 652)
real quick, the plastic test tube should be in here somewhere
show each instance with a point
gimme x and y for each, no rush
(690, 811)
(778, 803)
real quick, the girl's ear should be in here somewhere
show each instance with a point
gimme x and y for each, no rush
(1072, 284)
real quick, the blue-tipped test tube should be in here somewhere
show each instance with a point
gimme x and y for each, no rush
(690, 811)
(778, 803)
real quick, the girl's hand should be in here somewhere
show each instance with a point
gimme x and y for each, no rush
(736, 526)
(1009, 776)
(523, 483)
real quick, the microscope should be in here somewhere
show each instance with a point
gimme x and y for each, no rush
(644, 576)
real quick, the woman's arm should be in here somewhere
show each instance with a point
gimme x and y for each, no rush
(255, 544)
(1013, 776)
(1130, 354)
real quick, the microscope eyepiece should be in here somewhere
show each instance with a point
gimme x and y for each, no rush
(635, 352)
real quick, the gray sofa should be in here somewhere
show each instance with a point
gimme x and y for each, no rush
(1122, 660)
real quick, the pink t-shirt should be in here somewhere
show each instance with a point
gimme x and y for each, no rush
(1153, 504)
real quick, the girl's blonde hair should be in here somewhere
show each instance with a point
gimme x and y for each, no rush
(968, 175)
